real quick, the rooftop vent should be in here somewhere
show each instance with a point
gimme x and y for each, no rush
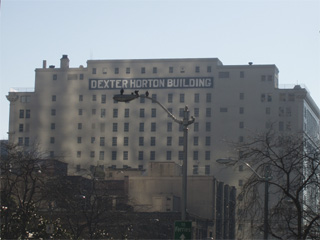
(250, 63)
(51, 66)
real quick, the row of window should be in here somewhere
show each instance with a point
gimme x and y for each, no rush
(141, 155)
(143, 70)
(102, 141)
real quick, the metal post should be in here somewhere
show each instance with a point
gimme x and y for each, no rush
(266, 202)
(185, 163)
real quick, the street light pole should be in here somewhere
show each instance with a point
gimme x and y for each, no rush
(266, 178)
(185, 122)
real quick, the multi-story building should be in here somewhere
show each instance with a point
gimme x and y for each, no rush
(72, 114)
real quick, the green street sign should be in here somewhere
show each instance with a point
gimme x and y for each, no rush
(182, 230)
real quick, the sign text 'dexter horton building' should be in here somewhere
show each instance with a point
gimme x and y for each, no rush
(72, 115)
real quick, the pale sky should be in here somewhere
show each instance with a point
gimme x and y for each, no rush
(281, 32)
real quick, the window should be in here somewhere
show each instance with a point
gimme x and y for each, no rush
(126, 141)
(102, 141)
(80, 111)
(152, 141)
(154, 97)
(180, 141)
(169, 153)
(53, 98)
(282, 97)
(114, 141)
(197, 70)
(182, 97)
(224, 75)
(207, 155)
(208, 140)
(170, 69)
(140, 155)
(54, 77)
(180, 155)
(170, 97)
(208, 126)
(103, 113)
(80, 98)
(208, 112)
(21, 113)
(126, 112)
(142, 112)
(269, 97)
(94, 71)
(181, 112)
(116, 70)
(241, 110)
(241, 124)
(263, 78)
(52, 140)
(125, 155)
(207, 170)
(94, 111)
(81, 76)
(28, 113)
(53, 112)
(208, 98)
(195, 169)
(79, 140)
(115, 127)
(241, 138)
(169, 141)
(141, 127)
(169, 126)
(103, 98)
(104, 70)
(20, 141)
(25, 99)
(79, 126)
(208, 68)
(153, 112)
(127, 70)
(152, 155)
(170, 110)
(93, 139)
(115, 113)
(196, 112)
(224, 109)
(153, 127)
(142, 100)
(241, 96)
(195, 155)
(94, 98)
(143, 70)
(53, 126)
(195, 141)
(126, 127)
(101, 155)
(141, 141)
(114, 155)
(154, 70)
(78, 154)
(92, 154)
(196, 97)
(196, 127)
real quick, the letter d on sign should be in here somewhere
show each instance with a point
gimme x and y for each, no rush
(93, 84)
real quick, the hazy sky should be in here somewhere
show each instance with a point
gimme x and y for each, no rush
(282, 32)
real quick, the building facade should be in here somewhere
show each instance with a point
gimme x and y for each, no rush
(72, 114)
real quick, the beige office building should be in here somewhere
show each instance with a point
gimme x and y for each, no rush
(71, 112)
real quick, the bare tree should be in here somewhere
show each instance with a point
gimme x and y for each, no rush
(294, 189)
(22, 182)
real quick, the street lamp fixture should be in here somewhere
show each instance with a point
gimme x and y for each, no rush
(267, 177)
(185, 122)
